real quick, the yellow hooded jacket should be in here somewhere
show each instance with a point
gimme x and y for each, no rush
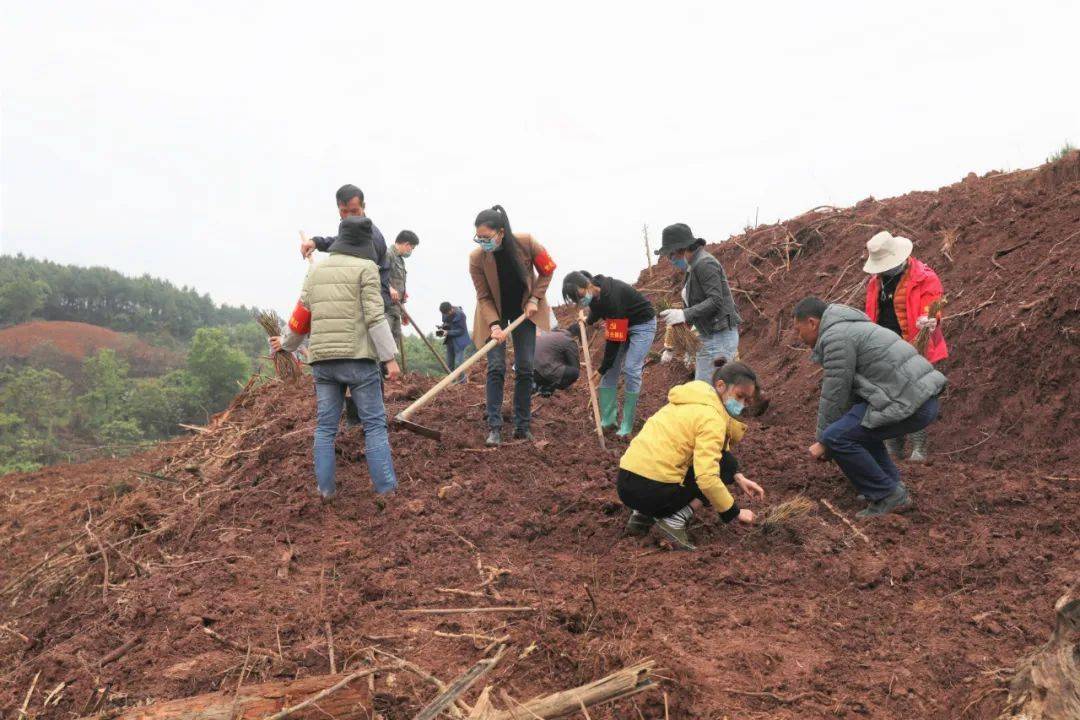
(693, 428)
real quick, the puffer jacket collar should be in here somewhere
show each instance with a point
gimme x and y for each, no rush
(834, 316)
(699, 392)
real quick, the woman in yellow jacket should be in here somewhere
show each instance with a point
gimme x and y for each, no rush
(672, 466)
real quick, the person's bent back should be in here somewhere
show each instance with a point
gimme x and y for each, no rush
(557, 365)
(875, 386)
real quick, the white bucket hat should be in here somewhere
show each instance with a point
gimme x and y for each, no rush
(886, 251)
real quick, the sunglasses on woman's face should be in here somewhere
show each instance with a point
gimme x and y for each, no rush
(482, 239)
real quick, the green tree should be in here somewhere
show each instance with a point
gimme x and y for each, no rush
(250, 338)
(41, 399)
(158, 405)
(217, 365)
(107, 388)
(36, 405)
(21, 298)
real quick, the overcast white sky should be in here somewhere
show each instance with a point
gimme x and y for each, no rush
(192, 140)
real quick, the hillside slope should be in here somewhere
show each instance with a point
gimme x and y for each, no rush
(1005, 247)
(807, 621)
(72, 342)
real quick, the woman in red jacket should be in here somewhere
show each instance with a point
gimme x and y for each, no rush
(898, 296)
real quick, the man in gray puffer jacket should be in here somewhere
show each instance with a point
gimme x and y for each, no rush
(876, 386)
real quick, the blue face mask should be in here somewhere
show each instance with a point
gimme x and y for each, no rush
(585, 301)
(734, 407)
(486, 244)
(680, 263)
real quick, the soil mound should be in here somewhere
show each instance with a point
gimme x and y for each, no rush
(223, 566)
(1005, 247)
(74, 341)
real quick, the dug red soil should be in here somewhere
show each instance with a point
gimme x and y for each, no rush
(921, 617)
(75, 341)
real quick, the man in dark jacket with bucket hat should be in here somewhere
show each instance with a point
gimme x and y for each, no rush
(708, 303)
(876, 386)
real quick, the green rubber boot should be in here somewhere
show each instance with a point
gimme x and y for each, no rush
(609, 407)
(628, 407)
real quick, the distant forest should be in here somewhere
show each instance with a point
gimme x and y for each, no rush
(54, 407)
(42, 290)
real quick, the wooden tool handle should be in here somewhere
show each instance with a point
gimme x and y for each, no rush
(458, 372)
(588, 376)
(408, 318)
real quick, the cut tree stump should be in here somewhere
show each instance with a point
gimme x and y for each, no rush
(352, 701)
(1047, 683)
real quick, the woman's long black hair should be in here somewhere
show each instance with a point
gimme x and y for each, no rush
(496, 219)
(733, 372)
(573, 282)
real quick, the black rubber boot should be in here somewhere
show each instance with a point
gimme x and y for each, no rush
(639, 523)
(896, 501)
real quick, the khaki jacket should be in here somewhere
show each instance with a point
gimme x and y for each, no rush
(347, 319)
(485, 276)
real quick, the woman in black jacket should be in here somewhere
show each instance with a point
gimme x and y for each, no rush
(630, 325)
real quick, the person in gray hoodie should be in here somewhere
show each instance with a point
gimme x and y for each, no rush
(876, 386)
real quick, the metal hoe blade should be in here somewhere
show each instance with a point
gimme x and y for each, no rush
(418, 429)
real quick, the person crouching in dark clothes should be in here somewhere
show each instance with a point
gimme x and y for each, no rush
(556, 364)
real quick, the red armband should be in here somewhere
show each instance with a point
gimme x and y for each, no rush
(300, 322)
(543, 263)
(617, 330)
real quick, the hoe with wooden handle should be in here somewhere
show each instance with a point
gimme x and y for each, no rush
(589, 376)
(402, 418)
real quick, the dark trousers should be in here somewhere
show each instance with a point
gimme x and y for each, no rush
(524, 339)
(860, 452)
(657, 499)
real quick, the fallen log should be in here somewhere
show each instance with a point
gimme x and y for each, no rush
(1046, 685)
(458, 686)
(311, 698)
(616, 686)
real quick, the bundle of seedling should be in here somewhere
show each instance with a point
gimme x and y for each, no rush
(922, 338)
(285, 366)
(684, 341)
(783, 514)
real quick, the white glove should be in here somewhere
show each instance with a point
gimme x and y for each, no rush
(926, 322)
(667, 356)
(673, 316)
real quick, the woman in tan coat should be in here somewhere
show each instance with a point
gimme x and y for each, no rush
(511, 274)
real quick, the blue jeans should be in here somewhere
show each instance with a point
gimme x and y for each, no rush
(631, 358)
(454, 358)
(860, 452)
(524, 338)
(364, 380)
(725, 342)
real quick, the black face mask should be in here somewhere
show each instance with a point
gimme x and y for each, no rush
(893, 272)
